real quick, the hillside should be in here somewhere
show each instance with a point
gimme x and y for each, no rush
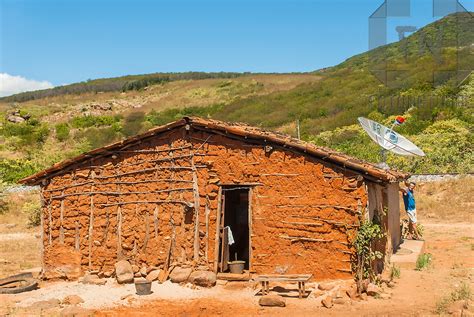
(69, 120)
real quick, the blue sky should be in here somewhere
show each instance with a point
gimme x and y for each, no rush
(67, 41)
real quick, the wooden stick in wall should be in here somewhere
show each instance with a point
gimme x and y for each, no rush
(91, 225)
(207, 211)
(196, 211)
(119, 232)
(50, 221)
(155, 221)
(61, 219)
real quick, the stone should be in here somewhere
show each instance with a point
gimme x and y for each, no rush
(363, 296)
(325, 286)
(143, 271)
(97, 243)
(151, 268)
(123, 272)
(327, 301)
(92, 279)
(11, 225)
(15, 119)
(180, 275)
(391, 284)
(135, 268)
(373, 290)
(153, 275)
(108, 273)
(46, 304)
(272, 301)
(72, 300)
(352, 292)
(203, 278)
(340, 301)
(138, 274)
(76, 311)
(385, 296)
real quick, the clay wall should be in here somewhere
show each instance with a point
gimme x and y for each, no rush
(138, 203)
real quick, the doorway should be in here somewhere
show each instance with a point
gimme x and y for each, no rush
(234, 227)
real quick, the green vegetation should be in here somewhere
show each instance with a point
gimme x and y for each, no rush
(367, 235)
(62, 131)
(424, 260)
(33, 210)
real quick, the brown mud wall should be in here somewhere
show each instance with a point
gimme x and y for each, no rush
(138, 204)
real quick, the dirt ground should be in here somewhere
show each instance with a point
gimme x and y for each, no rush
(449, 239)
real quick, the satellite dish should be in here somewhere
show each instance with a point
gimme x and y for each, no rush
(389, 139)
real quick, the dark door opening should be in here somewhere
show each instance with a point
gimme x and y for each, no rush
(235, 243)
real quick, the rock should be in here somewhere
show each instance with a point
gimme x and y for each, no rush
(340, 301)
(151, 268)
(47, 304)
(97, 243)
(373, 290)
(72, 300)
(327, 301)
(180, 275)
(391, 284)
(203, 278)
(385, 296)
(92, 279)
(272, 300)
(4, 261)
(108, 273)
(15, 119)
(363, 296)
(143, 271)
(325, 286)
(138, 274)
(364, 284)
(76, 311)
(153, 275)
(352, 292)
(123, 272)
(135, 268)
(11, 225)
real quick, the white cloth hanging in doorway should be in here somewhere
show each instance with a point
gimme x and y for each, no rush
(230, 237)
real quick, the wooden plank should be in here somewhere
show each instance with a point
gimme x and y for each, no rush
(284, 278)
(218, 224)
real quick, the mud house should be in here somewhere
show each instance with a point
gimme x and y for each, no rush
(177, 192)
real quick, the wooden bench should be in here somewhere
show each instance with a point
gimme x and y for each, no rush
(300, 278)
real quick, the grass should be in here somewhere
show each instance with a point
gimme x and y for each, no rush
(424, 261)
(437, 199)
(463, 292)
(394, 272)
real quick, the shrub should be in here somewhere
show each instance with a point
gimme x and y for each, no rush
(62, 131)
(13, 170)
(94, 121)
(463, 292)
(367, 235)
(33, 210)
(424, 260)
(133, 123)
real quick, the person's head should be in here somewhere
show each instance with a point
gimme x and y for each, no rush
(411, 185)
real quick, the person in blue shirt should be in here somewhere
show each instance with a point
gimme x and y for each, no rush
(410, 208)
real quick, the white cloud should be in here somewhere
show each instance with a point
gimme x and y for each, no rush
(10, 85)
